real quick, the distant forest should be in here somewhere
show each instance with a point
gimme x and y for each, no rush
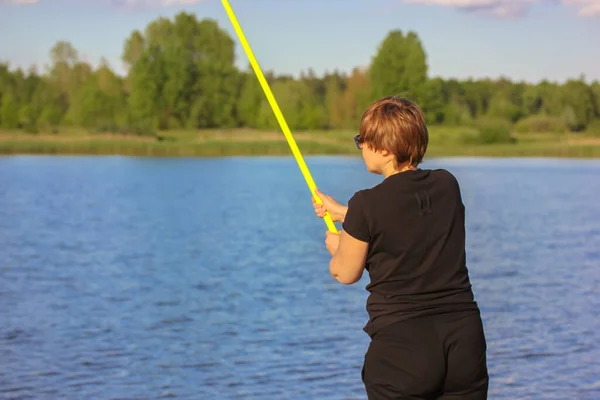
(182, 75)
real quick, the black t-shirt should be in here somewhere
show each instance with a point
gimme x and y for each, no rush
(414, 222)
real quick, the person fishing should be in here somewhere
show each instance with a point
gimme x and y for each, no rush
(408, 232)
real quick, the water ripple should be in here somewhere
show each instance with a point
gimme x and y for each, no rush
(125, 278)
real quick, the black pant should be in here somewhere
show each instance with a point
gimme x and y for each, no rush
(432, 357)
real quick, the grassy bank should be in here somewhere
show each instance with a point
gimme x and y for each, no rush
(444, 142)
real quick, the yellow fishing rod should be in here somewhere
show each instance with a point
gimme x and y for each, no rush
(277, 111)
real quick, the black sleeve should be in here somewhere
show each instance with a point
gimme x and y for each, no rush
(452, 182)
(355, 223)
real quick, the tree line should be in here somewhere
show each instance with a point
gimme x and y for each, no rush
(181, 74)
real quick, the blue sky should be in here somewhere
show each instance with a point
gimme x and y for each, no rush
(526, 40)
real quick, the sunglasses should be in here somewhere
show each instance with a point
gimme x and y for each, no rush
(358, 141)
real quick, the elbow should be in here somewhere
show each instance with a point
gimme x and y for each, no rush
(345, 280)
(341, 277)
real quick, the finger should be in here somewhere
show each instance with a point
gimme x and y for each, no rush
(320, 194)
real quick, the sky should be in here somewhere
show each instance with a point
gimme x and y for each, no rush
(523, 40)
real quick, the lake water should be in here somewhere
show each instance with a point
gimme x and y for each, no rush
(134, 278)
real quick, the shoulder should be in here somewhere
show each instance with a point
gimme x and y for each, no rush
(364, 199)
(444, 177)
(356, 221)
(442, 173)
(361, 196)
(446, 182)
(359, 201)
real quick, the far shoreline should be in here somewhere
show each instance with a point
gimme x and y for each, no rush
(445, 142)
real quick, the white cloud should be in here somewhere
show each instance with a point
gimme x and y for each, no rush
(153, 3)
(126, 4)
(179, 2)
(18, 2)
(587, 8)
(513, 8)
(498, 8)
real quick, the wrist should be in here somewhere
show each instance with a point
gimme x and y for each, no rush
(343, 211)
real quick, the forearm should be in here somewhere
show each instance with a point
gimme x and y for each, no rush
(343, 271)
(342, 213)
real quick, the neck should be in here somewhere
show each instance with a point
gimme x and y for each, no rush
(391, 169)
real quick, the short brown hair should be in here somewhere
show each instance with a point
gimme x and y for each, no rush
(398, 126)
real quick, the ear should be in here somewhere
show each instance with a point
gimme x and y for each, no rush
(388, 155)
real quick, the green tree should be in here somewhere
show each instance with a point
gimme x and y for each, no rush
(335, 85)
(577, 101)
(147, 78)
(595, 87)
(433, 101)
(249, 101)
(357, 97)
(312, 111)
(9, 111)
(501, 107)
(182, 73)
(288, 94)
(399, 67)
(100, 102)
(134, 48)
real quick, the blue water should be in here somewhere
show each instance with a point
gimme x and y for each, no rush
(133, 278)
